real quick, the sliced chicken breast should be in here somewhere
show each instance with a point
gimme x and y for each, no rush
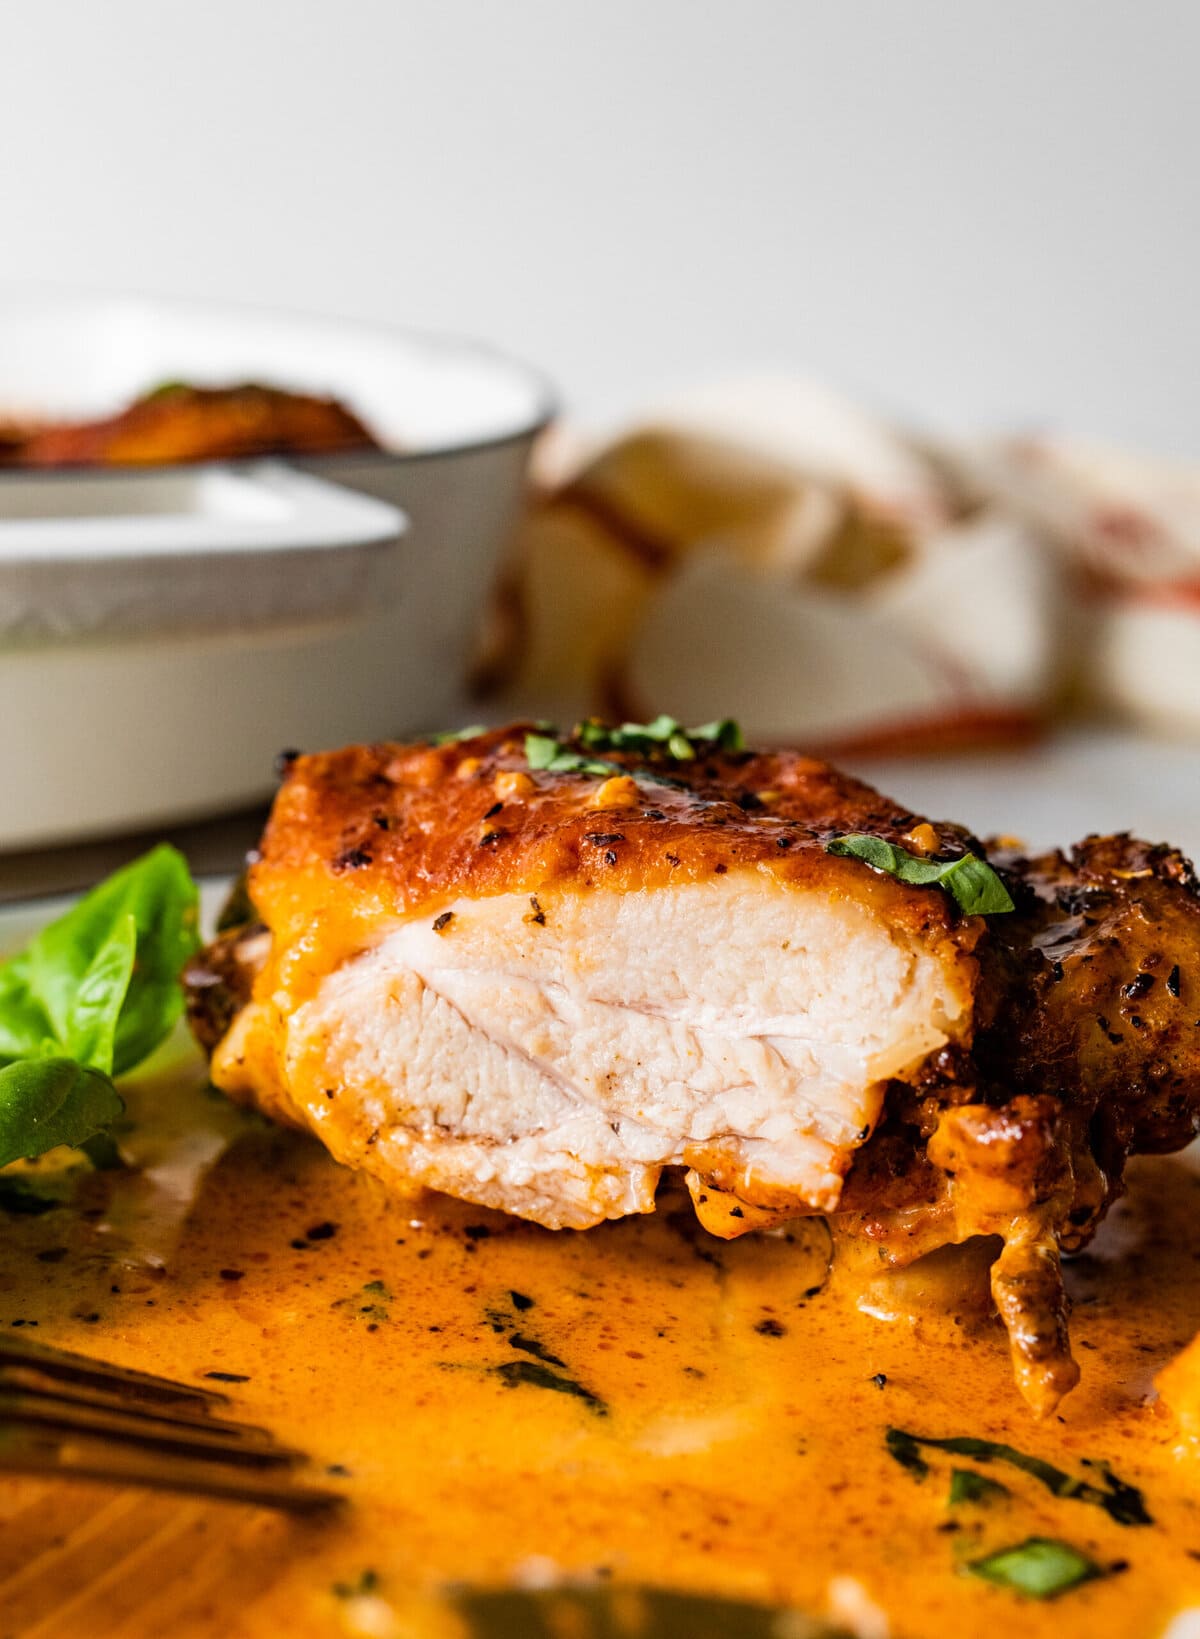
(535, 988)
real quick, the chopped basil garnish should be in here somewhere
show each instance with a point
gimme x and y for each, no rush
(449, 737)
(663, 734)
(1039, 1567)
(968, 1486)
(543, 751)
(970, 881)
(1121, 1501)
(664, 737)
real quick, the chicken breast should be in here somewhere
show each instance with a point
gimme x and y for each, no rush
(532, 976)
(536, 991)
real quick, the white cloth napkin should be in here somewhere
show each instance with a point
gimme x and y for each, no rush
(770, 551)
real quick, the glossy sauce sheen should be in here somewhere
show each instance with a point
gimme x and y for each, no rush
(726, 1431)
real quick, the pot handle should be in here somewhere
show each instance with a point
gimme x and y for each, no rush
(262, 506)
(189, 549)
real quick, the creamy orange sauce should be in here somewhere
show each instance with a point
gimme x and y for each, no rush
(729, 1437)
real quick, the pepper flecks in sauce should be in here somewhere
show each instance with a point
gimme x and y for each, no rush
(637, 1398)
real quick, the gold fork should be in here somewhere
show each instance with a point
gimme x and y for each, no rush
(64, 1415)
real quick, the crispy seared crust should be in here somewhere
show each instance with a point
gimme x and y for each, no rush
(390, 830)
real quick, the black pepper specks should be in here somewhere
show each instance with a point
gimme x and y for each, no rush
(771, 1328)
(351, 859)
(602, 839)
(442, 922)
(1139, 987)
(610, 857)
(493, 810)
(537, 914)
(284, 761)
(1173, 981)
(489, 838)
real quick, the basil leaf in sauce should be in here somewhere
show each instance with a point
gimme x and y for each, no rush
(627, 1612)
(1039, 1567)
(968, 1486)
(533, 1374)
(88, 999)
(1121, 1501)
(969, 880)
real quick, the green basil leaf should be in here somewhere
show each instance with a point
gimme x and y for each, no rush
(96, 1006)
(663, 734)
(1120, 1500)
(24, 1025)
(970, 881)
(968, 1486)
(45, 1102)
(725, 734)
(1039, 1567)
(157, 893)
(540, 750)
(545, 753)
(453, 734)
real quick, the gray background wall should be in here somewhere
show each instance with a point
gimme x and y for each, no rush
(975, 213)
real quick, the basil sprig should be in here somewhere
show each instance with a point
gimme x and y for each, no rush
(970, 881)
(87, 1000)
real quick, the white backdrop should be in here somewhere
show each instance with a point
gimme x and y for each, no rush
(969, 212)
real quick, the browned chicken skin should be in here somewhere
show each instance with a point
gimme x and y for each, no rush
(1031, 1053)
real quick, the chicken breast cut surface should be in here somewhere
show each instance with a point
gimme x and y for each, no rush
(552, 1061)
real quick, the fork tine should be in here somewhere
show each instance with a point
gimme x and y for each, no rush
(78, 1368)
(236, 1442)
(17, 1382)
(63, 1414)
(116, 1461)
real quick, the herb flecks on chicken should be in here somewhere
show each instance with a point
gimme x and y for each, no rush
(534, 971)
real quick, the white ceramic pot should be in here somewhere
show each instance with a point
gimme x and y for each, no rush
(175, 707)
